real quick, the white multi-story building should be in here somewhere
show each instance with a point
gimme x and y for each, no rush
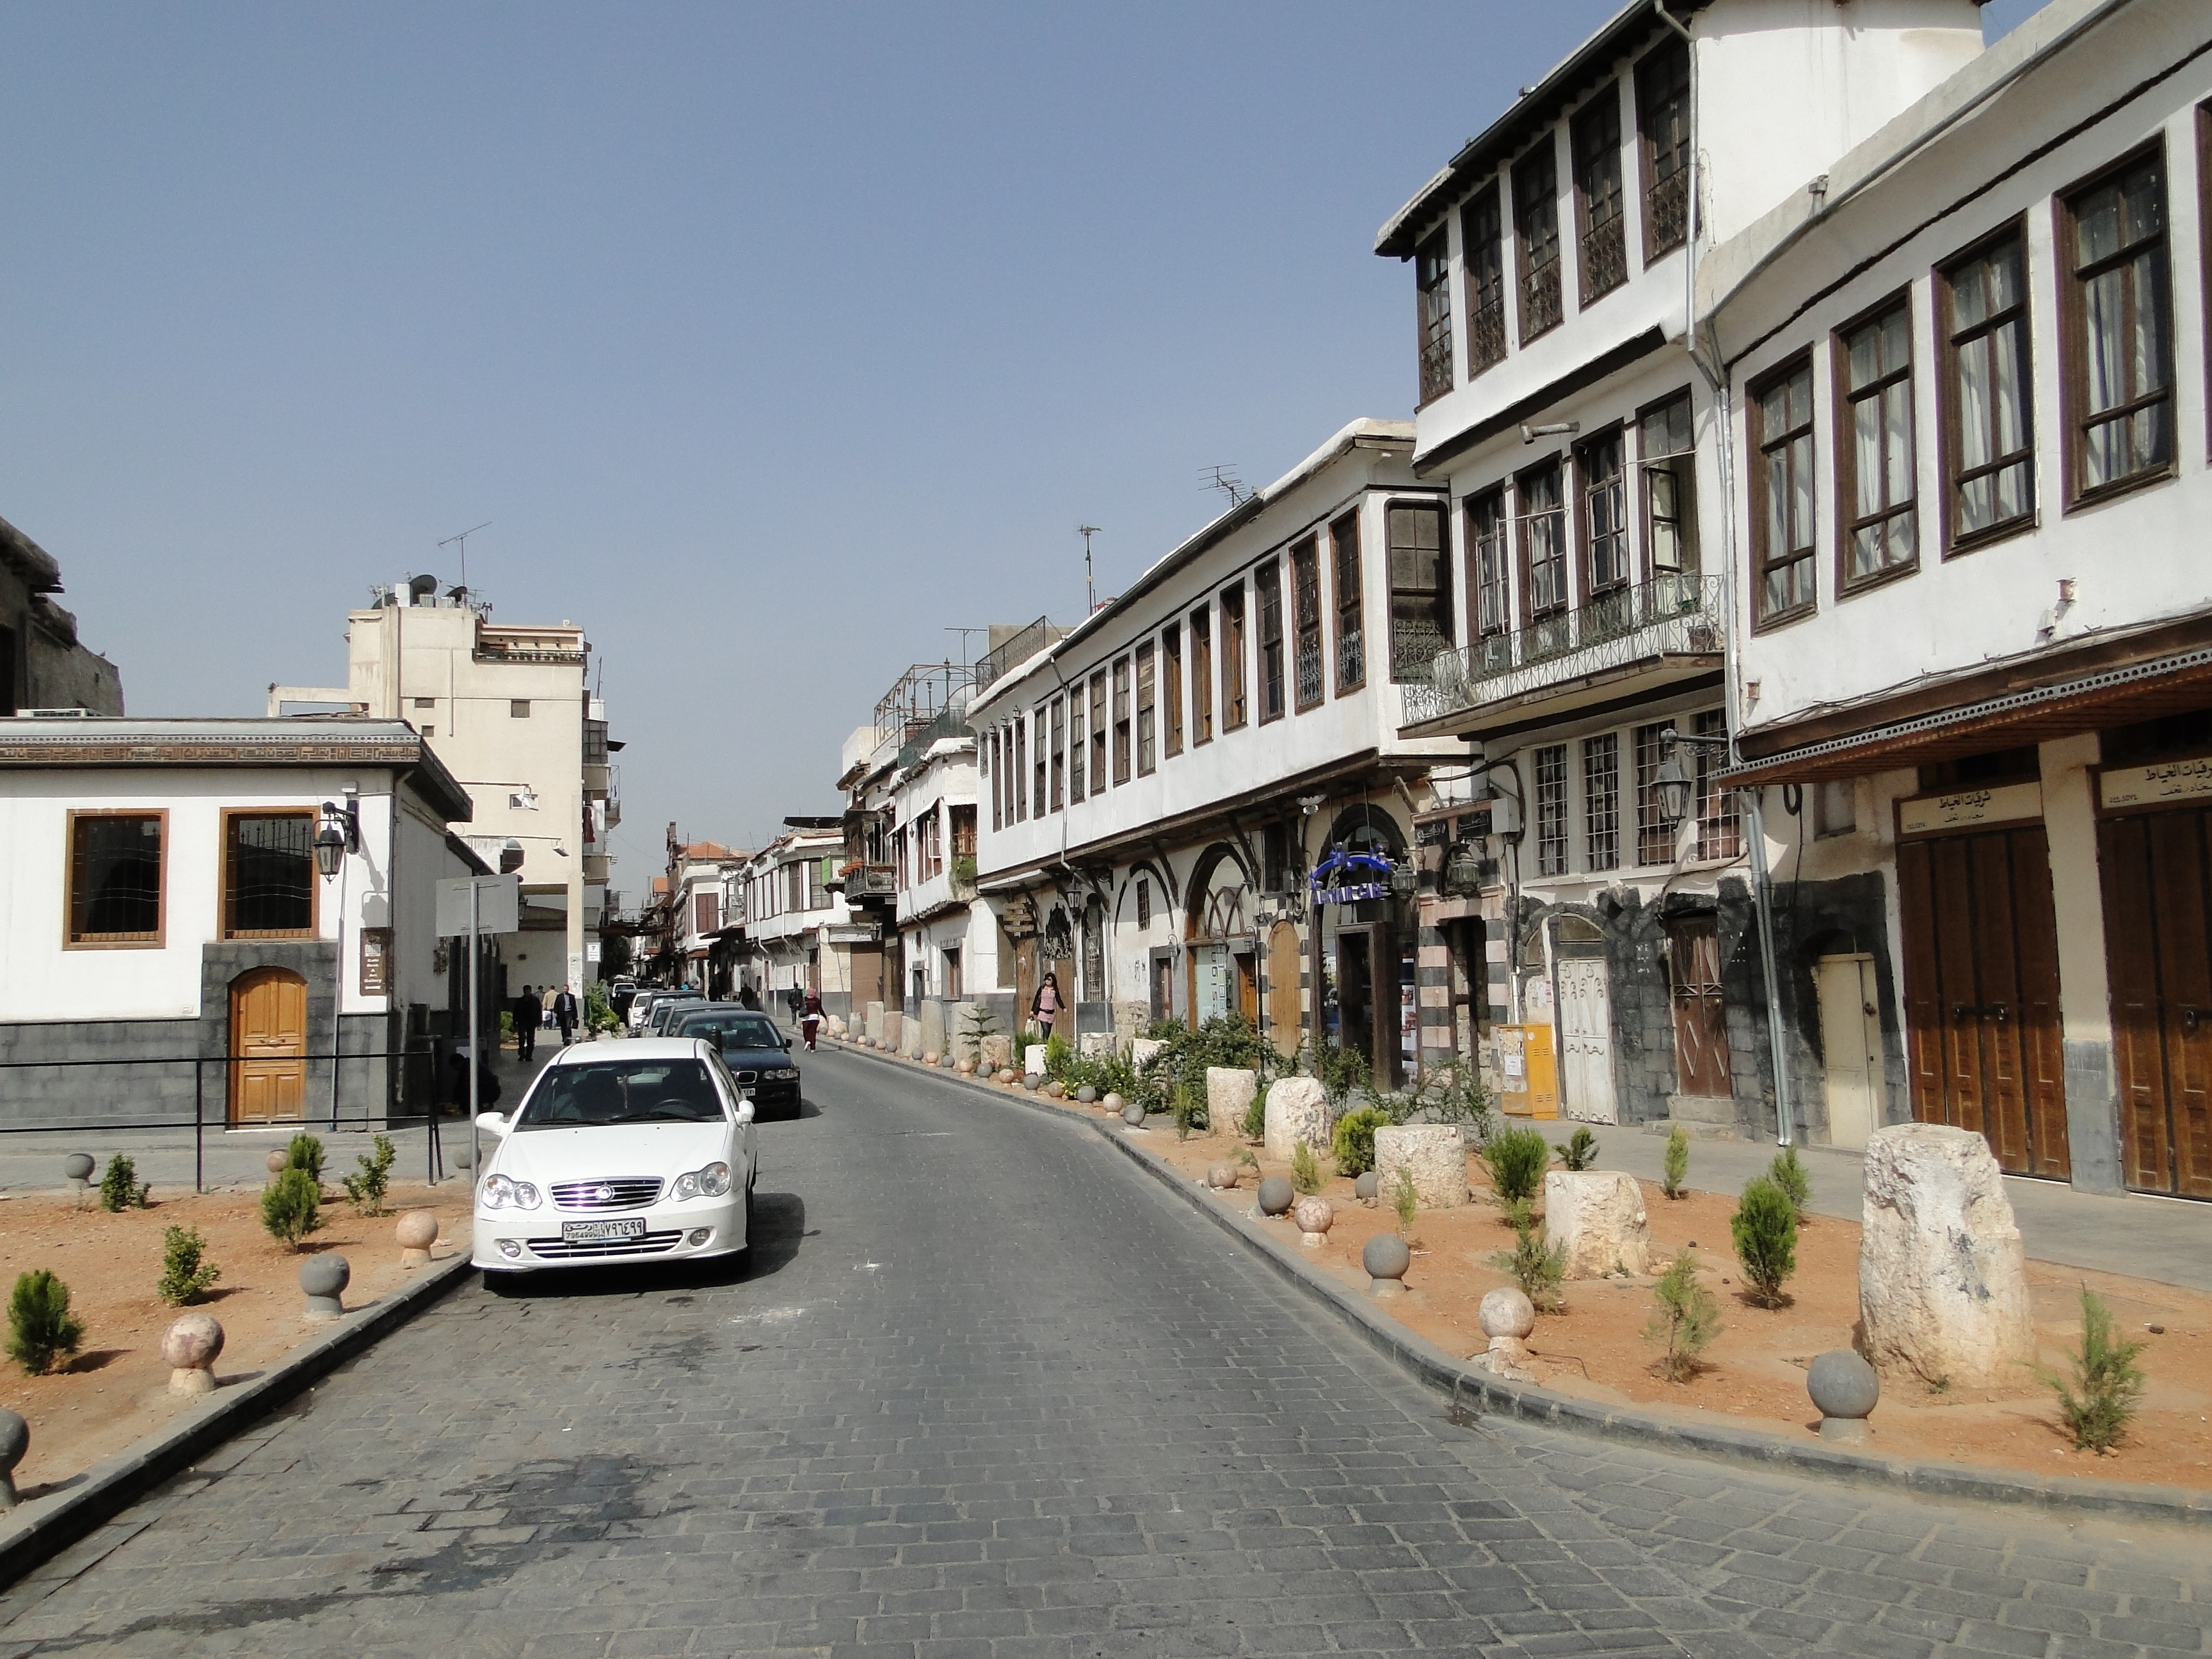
(1164, 788)
(948, 945)
(1573, 434)
(799, 933)
(1967, 400)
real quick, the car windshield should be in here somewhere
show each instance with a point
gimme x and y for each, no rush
(608, 1093)
(730, 1031)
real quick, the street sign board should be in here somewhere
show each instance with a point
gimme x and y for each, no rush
(498, 900)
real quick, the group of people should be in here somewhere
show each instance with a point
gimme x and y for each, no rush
(530, 1014)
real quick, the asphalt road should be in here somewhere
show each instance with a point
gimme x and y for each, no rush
(988, 1389)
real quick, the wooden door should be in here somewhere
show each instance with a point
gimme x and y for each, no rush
(1355, 995)
(1981, 993)
(268, 1037)
(1701, 1047)
(1285, 1002)
(1247, 986)
(1851, 1047)
(1586, 1041)
(2157, 874)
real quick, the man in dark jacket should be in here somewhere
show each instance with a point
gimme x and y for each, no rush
(529, 1015)
(564, 1014)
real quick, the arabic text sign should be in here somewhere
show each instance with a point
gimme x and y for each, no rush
(1963, 809)
(2148, 785)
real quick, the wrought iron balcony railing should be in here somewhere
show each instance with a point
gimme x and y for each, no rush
(1669, 616)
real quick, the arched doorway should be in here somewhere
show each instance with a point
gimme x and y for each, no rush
(268, 1047)
(1223, 961)
(1363, 952)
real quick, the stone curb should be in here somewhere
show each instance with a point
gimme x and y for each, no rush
(1478, 1392)
(41, 1528)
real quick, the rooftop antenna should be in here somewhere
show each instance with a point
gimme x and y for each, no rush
(463, 538)
(1089, 586)
(1224, 479)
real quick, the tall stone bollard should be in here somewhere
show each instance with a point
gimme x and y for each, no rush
(417, 1231)
(1296, 1109)
(323, 1278)
(1433, 1153)
(1229, 1094)
(189, 1348)
(15, 1441)
(1597, 1216)
(1942, 1276)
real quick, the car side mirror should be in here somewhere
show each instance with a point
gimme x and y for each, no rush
(786, 1044)
(744, 1109)
(492, 1122)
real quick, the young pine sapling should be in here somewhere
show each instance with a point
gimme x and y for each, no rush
(1677, 1165)
(185, 1272)
(40, 1327)
(2108, 1387)
(1765, 1228)
(1686, 1322)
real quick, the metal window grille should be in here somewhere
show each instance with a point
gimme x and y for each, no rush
(269, 876)
(1432, 277)
(1147, 752)
(1601, 801)
(1551, 809)
(1350, 605)
(1596, 139)
(1536, 224)
(1420, 590)
(1306, 590)
(1654, 841)
(1720, 810)
(1268, 583)
(1483, 252)
(115, 879)
(1662, 113)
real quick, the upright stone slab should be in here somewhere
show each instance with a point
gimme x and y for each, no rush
(871, 1025)
(932, 1027)
(1095, 1045)
(1433, 1153)
(910, 1038)
(1230, 1091)
(1033, 1059)
(1296, 1109)
(994, 1054)
(1597, 1216)
(1141, 1050)
(893, 1025)
(1942, 1277)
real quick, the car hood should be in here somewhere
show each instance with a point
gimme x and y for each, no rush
(755, 1058)
(547, 1157)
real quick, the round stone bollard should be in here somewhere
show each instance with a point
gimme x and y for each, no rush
(930, 1059)
(1056, 1089)
(1088, 1094)
(1367, 1186)
(323, 1278)
(1276, 1195)
(1507, 1317)
(78, 1167)
(1386, 1259)
(189, 1348)
(1133, 1114)
(417, 1231)
(1222, 1175)
(277, 1161)
(1114, 1103)
(1846, 1389)
(1315, 1215)
(15, 1441)
(461, 1152)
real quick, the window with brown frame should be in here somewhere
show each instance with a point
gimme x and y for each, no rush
(1148, 750)
(1782, 527)
(996, 774)
(1171, 687)
(1486, 550)
(1098, 732)
(1536, 239)
(1602, 801)
(1421, 588)
(1267, 591)
(1077, 773)
(1603, 477)
(1058, 753)
(1655, 838)
(115, 878)
(1432, 282)
(1482, 251)
(1666, 458)
(1551, 809)
(1720, 813)
(1350, 605)
(1876, 484)
(1543, 537)
(1600, 214)
(963, 831)
(1037, 788)
(268, 875)
(1233, 657)
(1989, 422)
(1305, 622)
(1019, 780)
(1121, 720)
(1662, 122)
(2120, 328)
(1202, 676)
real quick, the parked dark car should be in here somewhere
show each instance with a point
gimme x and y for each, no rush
(758, 1055)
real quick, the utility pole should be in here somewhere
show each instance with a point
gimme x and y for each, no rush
(1090, 585)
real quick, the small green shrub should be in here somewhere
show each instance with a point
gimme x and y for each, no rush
(1764, 1227)
(1305, 1169)
(184, 1273)
(1058, 1053)
(1227, 1042)
(1686, 1322)
(507, 1025)
(1678, 1161)
(1787, 1173)
(1518, 1215)
(1339, 1071)
(1517, 1160)
(1190, 1111)
(121, 1187)
(1405, 1201)
(366, 1191)
(1450, 1094)
(1537, 1270)
(2108, 1387)
(1254, 1126)
(291, 1205)
(41, 1328)
(305, 1152)
(1580, 1151)
(1353, 1143)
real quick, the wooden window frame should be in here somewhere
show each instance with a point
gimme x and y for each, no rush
(1079, 772)
(1948, 439)
(1647, 753)
(1472, 509)
(1541, 165)
(1100, 732)
(1307, 638)
(1268, 589)
(1844, 400)
(1586, 518)
(1171, 690)
(1236, 710)
(1020, 781)
(2073, 332)
(1348, 577)
(1058, 753)
(1553, 465)
(1040, 760)
(1647, 467)
(1482, 262)
(1202, 675)
(1761, 561)
(160, 937)
(987, 764)
(1650, 101)
(1124, 672)
(1432, 308)
(1440, 597)
(223, 929)
(1553, 814)
(1147, 710)
(1593, 138)
(1601, 802)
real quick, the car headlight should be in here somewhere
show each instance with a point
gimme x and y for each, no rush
(500, 1192)
(785, 1072)
(710, 1183)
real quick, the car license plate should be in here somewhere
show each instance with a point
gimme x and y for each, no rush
(599, 1232)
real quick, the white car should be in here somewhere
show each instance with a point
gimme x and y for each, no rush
(640, 1152)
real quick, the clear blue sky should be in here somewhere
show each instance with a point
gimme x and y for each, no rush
(774, 341)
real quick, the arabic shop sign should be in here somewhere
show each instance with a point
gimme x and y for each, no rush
(2149, 786)
(1964, 809)
(1346, 878)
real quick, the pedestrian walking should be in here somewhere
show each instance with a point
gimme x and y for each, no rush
(747, 997)
(564, 1014)
(794, 998)
(1044, 1008)
(810, 1017)
(529, 1015)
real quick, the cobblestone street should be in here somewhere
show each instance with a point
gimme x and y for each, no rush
(985, 1388)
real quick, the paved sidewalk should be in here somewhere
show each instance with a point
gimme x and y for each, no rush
(2168, 1240)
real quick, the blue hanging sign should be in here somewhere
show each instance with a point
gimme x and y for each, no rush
(1345, 877)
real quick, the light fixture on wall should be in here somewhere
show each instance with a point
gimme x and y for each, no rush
(1673, 783)
(340, 834)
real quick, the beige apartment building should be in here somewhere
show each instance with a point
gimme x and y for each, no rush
(507, 708)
